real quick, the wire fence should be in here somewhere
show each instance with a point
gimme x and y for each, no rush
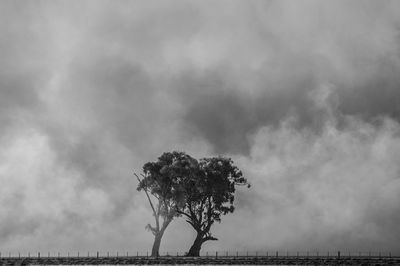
(220, 253)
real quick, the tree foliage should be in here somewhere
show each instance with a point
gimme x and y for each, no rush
(161, 181)
(200, 190)
(209, 194)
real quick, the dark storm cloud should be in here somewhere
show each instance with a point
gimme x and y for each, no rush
(226, 115)
(378, 95)
(303, 96)
(226, 110)
(227, 118)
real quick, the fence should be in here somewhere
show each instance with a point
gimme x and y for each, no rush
(213, 258)
(227, 253)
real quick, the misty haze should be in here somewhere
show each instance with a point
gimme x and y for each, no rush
(303, 97)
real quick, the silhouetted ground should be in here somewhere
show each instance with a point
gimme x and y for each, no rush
(230, 260)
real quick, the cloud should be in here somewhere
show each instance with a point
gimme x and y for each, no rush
(303, 96)
(324, 191)
(335, 189)
(301, 47)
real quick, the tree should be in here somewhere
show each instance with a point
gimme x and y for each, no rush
(209, 194)
(161, 181)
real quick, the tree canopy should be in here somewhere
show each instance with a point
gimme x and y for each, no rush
(161, 181)
(200, 190)
(209, 194)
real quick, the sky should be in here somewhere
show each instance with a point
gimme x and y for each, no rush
(304, 96)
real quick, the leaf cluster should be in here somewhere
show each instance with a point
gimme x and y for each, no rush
(163, 178)
(210, 192)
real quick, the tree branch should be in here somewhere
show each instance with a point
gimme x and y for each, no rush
(165, 224)
(191, 223)
(184, 213)
(192, 214)
(209, 238)
(200, 211)
(151, 229)
(209, 214)
(148, 197)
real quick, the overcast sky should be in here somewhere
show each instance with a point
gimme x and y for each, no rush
(304, 96)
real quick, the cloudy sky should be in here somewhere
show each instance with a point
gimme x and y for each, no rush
(303, 96)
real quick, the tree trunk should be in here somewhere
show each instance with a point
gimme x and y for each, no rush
(156, 244)
(194, 250)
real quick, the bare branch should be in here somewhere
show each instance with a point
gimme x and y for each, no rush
(209, 238)
(209, 214)
(147, 194)
(151, 229)
(166, 222)
(192, 224)
(193, 216)
(200, 211)
(184, 213)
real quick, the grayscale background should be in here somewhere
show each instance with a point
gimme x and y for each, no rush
(304, 96)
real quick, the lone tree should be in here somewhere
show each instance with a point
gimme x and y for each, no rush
(209, 194)
(161, 180)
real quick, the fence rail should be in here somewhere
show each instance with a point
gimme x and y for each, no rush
(217, 258)
(118, 254)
